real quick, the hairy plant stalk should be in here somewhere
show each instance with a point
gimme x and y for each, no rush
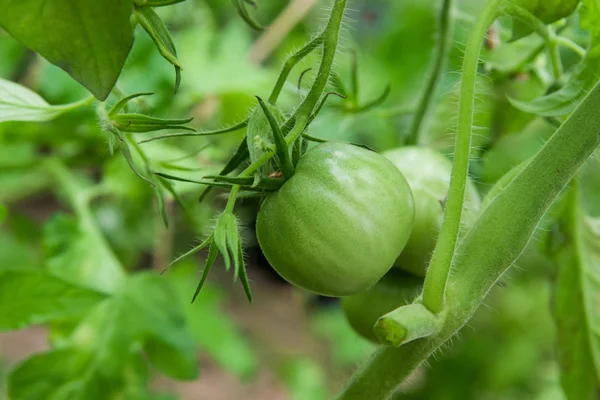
(498, 237)
(297, 123)
(441, 261)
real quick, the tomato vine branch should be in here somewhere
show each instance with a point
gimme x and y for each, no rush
(444, 38)
(441, 261)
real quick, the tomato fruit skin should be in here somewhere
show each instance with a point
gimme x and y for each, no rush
(337, 226)
(397, 288)
(428, 174)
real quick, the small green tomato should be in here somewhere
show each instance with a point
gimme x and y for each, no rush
(428, 174)
(337, 226)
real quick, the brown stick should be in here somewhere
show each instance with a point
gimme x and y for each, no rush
(279, 29)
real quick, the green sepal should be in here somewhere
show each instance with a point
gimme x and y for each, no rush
(200, 182)
(373, 103)
(228, 129)
(231, 179)
(169, 188)
(138, 123)
(241, 6)
(228, 241)
(118, 106)
(319, 140)
(210, 260)
(280, 145)
(241, 155)
(338, 84)
(259, 138)
(161, 3)
(156, 29)
(225, 223)
(124, 147)
(195, 250)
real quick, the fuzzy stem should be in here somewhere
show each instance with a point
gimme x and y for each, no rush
(330, 37)
(290, 64)
(496, 240)
(441, 261)
(444, 39)
(330, 44)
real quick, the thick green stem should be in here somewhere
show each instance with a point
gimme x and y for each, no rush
(441, 261)
(492, 245)
(78, 104)
(405, 324)
(444, 39)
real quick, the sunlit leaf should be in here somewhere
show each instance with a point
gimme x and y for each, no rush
(88, 39)
(76, 251)
(104, 353)
(34, 296)
(17, 103)
(566, 99)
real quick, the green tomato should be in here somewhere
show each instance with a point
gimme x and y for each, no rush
(395, 289)
(337, 226)
(428, 174)
(549, 10)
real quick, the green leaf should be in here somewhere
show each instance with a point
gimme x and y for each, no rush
(577, 302)
(227, 240)
(565, 100)
(88, 39)
(122, 103)
(17, 103)
(76, 252)
(142, 123)
(34, 296)
(63, 374)
(259, 138)
(214, 330)
(547, 11)
(590, 15)
(105, 351)
(304, 378)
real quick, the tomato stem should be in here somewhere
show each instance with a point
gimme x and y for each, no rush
(444, 39)
(291, 62)
(297, 123)
(441, 261)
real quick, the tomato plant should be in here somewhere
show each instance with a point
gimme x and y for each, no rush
(331, 167)
(339, 223)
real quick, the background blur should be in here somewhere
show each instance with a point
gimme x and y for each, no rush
(287, 344)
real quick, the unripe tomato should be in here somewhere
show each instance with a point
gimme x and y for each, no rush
(337, 226)
(428, 174)
(395, 289)
(549, 10)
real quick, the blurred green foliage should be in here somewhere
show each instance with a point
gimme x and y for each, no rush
(76, 218)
